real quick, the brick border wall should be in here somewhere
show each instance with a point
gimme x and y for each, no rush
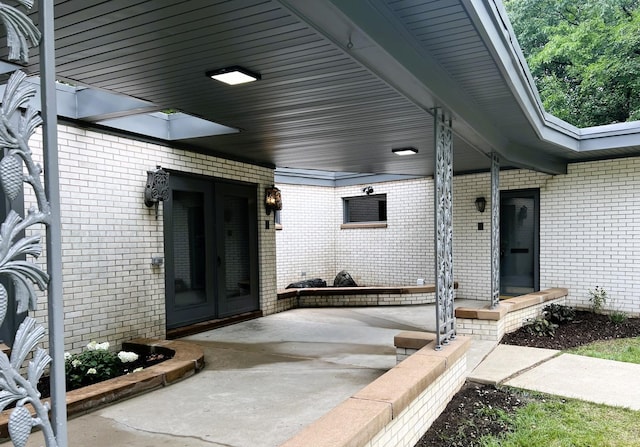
(508, 316)
(357, 296)
(397, 408)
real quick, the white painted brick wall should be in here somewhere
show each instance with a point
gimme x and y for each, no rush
(589, 233)
(311, 240)
(111, 291)
(305, 244)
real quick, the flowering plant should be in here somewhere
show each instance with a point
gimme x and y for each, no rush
(96, 363)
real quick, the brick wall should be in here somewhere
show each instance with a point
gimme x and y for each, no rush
(589, 228)
(111, 291)
(312, 241)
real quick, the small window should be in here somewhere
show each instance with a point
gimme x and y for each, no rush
(371, 208)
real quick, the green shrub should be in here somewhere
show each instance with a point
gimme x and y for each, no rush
(618, 316)
(541, 327)
(598, 298)
(559, 314)
(95, 364)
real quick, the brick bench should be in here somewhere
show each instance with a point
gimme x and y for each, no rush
(508, 316)
(398, 407)
(359, 296)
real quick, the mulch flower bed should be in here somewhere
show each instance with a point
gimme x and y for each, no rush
(471, 413)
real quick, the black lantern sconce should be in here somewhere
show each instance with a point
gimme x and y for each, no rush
(272, 199)
(481, 203)
(157, 188)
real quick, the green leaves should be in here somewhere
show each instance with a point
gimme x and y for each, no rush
(584, 56)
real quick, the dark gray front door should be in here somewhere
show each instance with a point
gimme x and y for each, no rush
(519, 241)
(210, 250)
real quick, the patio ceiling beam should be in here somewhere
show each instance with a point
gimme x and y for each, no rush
(96, 105)
(368, 32)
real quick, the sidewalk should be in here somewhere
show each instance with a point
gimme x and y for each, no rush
(568, 375)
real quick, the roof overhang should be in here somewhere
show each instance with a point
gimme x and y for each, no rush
(342, 84)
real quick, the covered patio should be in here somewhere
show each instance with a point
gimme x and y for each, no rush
(340, 86)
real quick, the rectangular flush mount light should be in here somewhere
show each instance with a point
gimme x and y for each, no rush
(233, 75)
(405, 151)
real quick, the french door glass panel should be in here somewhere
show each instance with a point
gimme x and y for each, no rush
(188, 240)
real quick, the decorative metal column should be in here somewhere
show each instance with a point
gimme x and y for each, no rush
(495, 229)
(443, 228)
(18, 122)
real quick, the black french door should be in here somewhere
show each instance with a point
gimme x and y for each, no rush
(211, 250)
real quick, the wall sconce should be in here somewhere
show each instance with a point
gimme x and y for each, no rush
(368, 190)
(157, 188)
(272, 199)
(481, 202)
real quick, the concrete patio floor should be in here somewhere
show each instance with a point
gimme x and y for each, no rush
(263, 381)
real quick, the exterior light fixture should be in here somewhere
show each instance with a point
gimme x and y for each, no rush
(368, 190)
(481, 202)
(272, 199)
(233, 75)
(405, 151)
(157, 188)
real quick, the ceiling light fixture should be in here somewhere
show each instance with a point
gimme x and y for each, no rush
(405, 151)
(233, 75)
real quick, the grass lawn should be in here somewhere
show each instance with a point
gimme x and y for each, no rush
(551, 421)
(622, 350)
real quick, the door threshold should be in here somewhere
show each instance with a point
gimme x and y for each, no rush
(211, 324)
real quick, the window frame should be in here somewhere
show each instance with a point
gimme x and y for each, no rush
(382, 212)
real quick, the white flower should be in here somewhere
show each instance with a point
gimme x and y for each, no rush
(95, 346)
(75, 363)
(126, 356)
(92, 371)
(67, 355)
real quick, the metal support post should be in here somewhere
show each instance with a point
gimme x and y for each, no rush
(443, 210)
(54, 240)
(495, 230)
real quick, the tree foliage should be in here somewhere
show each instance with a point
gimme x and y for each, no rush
(584, 56)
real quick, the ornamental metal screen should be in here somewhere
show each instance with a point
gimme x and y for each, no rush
(443, 209)
(495, 230)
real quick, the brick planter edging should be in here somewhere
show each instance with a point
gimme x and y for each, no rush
(187, 360)
(508, 316)
(398, 407)
(359, 296)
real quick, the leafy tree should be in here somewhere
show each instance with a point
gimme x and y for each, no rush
(584, 56)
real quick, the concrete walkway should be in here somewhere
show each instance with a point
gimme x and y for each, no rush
(265, 379)
(568, 375)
